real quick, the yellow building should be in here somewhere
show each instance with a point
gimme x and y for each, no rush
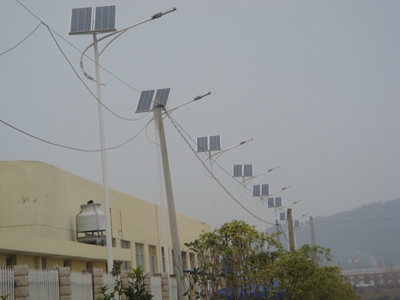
(38, 208)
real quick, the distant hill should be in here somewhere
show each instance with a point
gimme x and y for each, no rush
(368, 235)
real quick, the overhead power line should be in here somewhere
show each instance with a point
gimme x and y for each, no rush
(51, 31)
(21, 41)
(72, 148)
(174, 123)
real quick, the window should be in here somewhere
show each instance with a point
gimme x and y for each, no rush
(114, 242)
(184, 266)
(125, 244)
(10, 260)
(191, 257)
(152, 259)
(163, 258)
(139, 255)
(125, 265)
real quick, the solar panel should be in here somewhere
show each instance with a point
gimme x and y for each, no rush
(202, 144)
(84, 21)
(237, 170)
(270, 202)
(162, 94)
(145, 100)
(105, 18)
(256, 190)
(215, 142)
(265, 190)
(278, 201)
(81, 20)
(248, 171)
(282, 216)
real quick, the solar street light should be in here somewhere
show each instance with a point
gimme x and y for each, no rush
(100, 20)
(208, 145)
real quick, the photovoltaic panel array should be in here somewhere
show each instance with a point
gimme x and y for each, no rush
(243, 171)
(202, 144)
(105, 19)
(88, 20)
(265, 190)
(215, 142)
(162, 94)
(147, 99)
(81, 20)
(256, 190)
(237, 171)
(248, 171)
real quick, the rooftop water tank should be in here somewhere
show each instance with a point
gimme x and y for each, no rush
(90, 224)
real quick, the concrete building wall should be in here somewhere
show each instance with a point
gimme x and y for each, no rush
(39, 204)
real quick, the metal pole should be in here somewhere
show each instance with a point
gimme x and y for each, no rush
(277, 230)
(245, 199)
(170, 201)
(110, 261)
(164, 223)
(291, 229)
(312, 231)
(213, 191)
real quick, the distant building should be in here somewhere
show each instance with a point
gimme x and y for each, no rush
(385, 277)
(38, 208)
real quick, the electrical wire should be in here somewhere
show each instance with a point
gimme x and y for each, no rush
(68, 147)
(174, 123)
(70, 64)
(53, 31)
(22, 40)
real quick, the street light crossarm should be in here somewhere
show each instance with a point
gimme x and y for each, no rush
(255, 176)
(190, 101)
(120, 32)
(234, 146)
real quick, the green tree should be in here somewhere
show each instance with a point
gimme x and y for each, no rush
(248, 264)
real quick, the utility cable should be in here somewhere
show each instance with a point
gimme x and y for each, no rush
(70, 64)
(68, 147)
(213, 176)
(52, 30)
(21, 41)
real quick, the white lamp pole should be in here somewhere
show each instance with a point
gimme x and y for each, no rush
(88, 25)
(204, 146)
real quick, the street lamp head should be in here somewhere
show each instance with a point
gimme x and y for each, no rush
(160, 14)
(201, 96)
(244, 142)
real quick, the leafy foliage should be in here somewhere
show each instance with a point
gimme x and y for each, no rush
(238, 261)
(135, 290)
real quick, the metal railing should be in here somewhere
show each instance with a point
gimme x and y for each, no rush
(81, 286)
(7, 282)
(43, 285)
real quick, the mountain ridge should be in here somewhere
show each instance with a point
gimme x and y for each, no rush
(367, 236)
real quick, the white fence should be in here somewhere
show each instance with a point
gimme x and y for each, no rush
(43, 285)
(7, 282)
(81, 286)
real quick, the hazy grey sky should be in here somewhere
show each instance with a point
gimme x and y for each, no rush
(315, 83)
